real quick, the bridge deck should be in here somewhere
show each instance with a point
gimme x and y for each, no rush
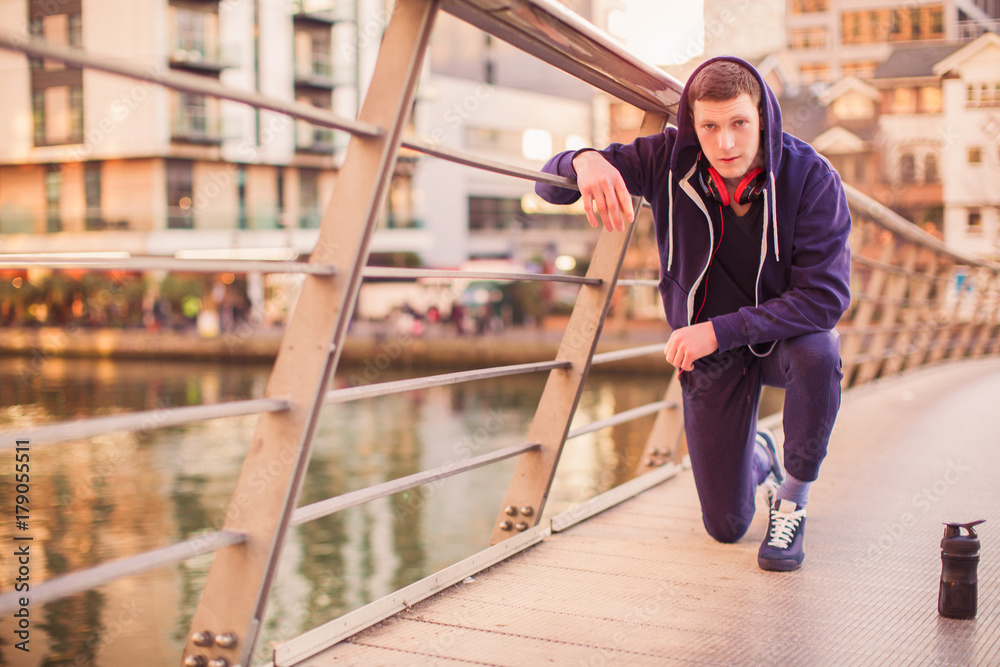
(642, 584)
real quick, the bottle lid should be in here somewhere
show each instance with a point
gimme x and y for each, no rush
(955, 542)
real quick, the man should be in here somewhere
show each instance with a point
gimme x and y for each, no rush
(752, 227)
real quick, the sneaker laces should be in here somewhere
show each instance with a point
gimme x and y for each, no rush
(784, 525)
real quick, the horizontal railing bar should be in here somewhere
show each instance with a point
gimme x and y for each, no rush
(329, 506)
(894, 328)
(167, 264)
(902, 302)
(348, 394)
(189, 83)
(428, 147)
(391, 272)
(629, 353)
(622, 417)
(91, 578)
(890, 220)
(632, 282)
(896, 270)
(536, 27)
(139, 421)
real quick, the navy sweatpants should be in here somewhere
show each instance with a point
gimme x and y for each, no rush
(721, 396)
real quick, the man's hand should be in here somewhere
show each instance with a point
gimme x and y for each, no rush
(688, 344)
(602, 186)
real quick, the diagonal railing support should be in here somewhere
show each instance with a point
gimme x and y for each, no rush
(529, 488)
(234, 599)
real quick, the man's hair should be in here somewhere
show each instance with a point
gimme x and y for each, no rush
(721, 81)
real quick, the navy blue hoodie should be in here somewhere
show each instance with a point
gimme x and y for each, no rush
(803, 280)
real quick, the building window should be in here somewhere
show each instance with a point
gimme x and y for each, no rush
(903, 100)
(93, 218)
(495, 213)
(56, 90)
(974, 226)
(241, 193)
(59, 29)
(180, 195)
(907, 168)
(808, 38)
(194, 38)
(309, 216)
(195, 119)
(931, 100)
(863, 69)
(975, 155)
(313, 55)
(809, 6)
(53, 197)
(984, 94)
(930, 168)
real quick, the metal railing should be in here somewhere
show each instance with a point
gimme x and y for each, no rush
(904, 314)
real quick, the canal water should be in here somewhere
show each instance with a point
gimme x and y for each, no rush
(120, 494)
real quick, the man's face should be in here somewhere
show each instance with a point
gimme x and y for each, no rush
(729, 133)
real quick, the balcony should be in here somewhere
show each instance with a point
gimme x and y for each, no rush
(195, 127)
(310, 139)
(319, 72)
(202, 58)
(323, 13)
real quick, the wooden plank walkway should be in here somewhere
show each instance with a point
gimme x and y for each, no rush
(642, 584)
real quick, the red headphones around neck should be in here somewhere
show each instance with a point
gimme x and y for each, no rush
(714, 185)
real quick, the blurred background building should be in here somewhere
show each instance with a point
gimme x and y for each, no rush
(904, 101)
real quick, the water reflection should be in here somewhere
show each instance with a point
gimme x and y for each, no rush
(120, 494)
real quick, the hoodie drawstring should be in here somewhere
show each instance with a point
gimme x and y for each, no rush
(670, 219)
(774, 219)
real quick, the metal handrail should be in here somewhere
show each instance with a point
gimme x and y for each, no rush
(428, 147)
(345, 501)
(174, 264)
(392, 272)
(182, 81)
(628, 353)
(888, 219)
(349, 394)
(553, 33)
(105, 573)
(622, 417)
(139, 421)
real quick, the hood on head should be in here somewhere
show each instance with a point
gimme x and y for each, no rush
(686, 147)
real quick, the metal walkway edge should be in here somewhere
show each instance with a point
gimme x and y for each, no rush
(643, 584)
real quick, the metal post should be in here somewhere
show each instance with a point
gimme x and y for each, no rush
(925, 328)
(667, 442)
(865, 312)
(232, 606)
(920, 287)
(894, 292)
(532, 479)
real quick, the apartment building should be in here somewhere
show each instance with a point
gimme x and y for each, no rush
(830, 39)
(922, 136)
(153, 170)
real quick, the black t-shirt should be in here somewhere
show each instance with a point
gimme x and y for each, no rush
(731, 279)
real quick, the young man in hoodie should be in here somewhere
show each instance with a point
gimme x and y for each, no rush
(752, 227)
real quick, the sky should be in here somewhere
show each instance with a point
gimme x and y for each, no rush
(662, 33)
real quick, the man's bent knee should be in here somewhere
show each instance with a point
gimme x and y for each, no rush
(817, 351)
(729, 527)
